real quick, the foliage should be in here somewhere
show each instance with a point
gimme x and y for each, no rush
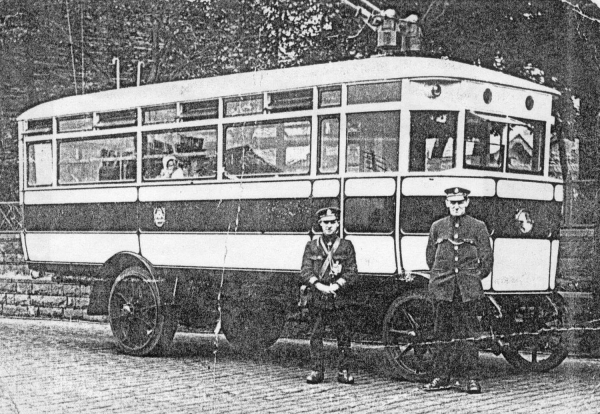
(53, 48)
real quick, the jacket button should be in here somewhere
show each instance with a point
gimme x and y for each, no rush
(455, 247)
(455, 270)
(456, 236)
(456, 258)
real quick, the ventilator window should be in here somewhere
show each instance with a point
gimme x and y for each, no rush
(243, 105)
(75, 123)
(191, 111)
(116, 119)
(290, 101)
(330, 96)
(374, 92)
(38, 127)
(159, 115)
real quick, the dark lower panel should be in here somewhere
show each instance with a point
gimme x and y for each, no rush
(275, 215)
(418, 213)
(81, 217)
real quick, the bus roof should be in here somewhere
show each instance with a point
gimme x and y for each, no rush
(273, 80)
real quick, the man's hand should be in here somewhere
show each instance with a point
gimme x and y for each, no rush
(328, 289)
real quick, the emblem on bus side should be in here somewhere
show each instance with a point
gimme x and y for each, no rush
(159, 216)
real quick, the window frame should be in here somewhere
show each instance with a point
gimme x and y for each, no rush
(411, 141)
(320, 120)
(502, 149)
(134, 156)
(395, 166)
(180, 130)
(275, 121)
(27, 145)
(542, 149)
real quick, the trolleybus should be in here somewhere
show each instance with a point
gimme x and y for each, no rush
(257, 155)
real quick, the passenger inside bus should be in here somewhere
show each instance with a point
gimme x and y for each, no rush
(171, 168)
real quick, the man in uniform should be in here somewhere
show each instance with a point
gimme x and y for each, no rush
(328, 267)
(459, 256)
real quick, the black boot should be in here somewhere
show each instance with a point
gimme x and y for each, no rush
(315, 377)
(343, 375)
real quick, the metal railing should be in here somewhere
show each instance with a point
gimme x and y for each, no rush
(11, 217)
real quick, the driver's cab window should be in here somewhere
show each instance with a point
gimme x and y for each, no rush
(526, 147)
(488, 137)
(432, 140)
(484, 138)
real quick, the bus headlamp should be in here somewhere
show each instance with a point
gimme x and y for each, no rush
(434, 91)
(524, 221)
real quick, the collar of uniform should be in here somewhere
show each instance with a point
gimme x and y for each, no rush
(329, 241)
(457, 219)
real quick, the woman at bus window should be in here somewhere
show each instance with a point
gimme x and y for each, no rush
(170, 168)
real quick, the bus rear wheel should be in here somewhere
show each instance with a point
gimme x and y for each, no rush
(140, 323)
(407, 323)
(252, 326)
(544, 348)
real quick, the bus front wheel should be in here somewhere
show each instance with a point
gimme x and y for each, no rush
(140, 323)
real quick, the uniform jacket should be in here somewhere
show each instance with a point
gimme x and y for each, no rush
(458, 253)
(312, 261)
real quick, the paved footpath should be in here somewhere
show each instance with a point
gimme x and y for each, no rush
(74, 367)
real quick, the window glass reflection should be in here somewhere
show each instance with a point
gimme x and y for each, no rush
(97, 160)
(188, 153)
(268, 148)
(373, 142)
(432, 140)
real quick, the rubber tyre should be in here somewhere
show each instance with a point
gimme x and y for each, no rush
(136, 315)
(524, 353)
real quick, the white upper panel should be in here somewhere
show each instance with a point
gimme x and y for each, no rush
(273, 80)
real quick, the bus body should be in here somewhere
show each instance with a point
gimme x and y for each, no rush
(260, 153)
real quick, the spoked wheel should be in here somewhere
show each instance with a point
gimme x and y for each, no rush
(138, 320)
(252, 327)
(539, 352)
(408, 322)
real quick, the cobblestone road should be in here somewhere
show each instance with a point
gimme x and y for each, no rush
(74, 367)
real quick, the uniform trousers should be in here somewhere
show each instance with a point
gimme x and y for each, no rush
(455, 320)
(337, 319)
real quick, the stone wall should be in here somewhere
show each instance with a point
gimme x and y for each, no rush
(26, 297)
(576, 268)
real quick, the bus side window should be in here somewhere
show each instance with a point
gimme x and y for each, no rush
(39, 164)
(274, 148)
(97, 160)
(373, 141)
(432, 140)
(329, 142)
(194, 149)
